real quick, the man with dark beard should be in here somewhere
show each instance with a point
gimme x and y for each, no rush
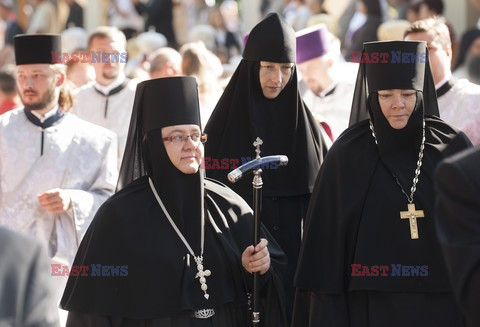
(55, 169)
(108, 101)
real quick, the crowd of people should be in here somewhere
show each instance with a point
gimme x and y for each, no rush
(105, 136)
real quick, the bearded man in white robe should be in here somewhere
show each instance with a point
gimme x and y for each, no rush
(55, 169)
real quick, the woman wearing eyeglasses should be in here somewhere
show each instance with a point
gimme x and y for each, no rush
(182, 243)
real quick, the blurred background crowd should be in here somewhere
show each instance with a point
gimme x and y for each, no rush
(204, 38)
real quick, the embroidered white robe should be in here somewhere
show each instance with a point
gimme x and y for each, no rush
(78, 157)
(90, 106)
(460, 107)
(334, 109)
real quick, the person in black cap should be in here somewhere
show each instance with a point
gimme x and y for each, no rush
(262, 100)
(182, 240)
(370, 254)
(56, 169)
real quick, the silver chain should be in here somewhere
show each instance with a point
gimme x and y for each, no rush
(202, 231)
(417, 170)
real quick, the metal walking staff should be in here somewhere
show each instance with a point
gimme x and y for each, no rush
(235, 175)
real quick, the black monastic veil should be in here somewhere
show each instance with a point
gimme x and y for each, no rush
(353, 217)
(284, 124)
(131, 230)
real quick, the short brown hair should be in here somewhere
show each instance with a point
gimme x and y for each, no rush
(436, 25)
(110, 32)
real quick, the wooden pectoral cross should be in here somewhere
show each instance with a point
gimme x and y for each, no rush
(412, 214)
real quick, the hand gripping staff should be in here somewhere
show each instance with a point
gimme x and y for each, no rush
(235, 175)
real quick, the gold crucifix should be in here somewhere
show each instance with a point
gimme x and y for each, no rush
(412, 214)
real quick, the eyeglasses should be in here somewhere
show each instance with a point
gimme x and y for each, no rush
(178, 139)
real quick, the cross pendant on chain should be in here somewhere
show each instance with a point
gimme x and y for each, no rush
(412, 214)
(202, 274)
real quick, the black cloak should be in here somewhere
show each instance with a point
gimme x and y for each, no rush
(353, 217)
(286, 127)
(157, 284)
(284, 124)
(458, 225)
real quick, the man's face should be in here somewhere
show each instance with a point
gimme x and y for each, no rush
(36, 85)
(106, 72)
(273, 77)
(440, 58)
(312, 71)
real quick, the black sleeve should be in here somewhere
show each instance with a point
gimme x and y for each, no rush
(458, 228)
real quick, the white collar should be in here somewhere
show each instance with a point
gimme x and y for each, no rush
(444, 80)
(330, 87)
(105, 89)
(50, 113)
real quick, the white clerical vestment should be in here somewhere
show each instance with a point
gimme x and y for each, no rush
(112, 112)
(332, 106)
(460, 107)
(78, 157)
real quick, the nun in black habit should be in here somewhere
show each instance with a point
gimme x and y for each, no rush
(283, 122)
(181, 242)
(360, 263)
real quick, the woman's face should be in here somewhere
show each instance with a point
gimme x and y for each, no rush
(274, 77)
(185, 152)
(397, 106)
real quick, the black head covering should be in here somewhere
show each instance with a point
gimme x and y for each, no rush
(403, 65)
(467, 39)
(284, 124)
(345, 224)
(36, 48)
(131, 229)
(159, 103)
(271, 40)
(413, 72)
